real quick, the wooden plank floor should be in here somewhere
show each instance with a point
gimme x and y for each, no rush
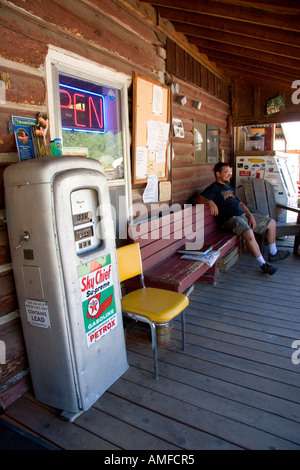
(235, 387)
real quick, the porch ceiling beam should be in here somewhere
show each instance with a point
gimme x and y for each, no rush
(267, 57)
(260, 45)
(274, 6)
(230, 26)
(239, 61)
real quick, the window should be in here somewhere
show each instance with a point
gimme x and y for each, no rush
(213, 144)
(92, 123)
(88, 110)
(199, 142)
(206, 143)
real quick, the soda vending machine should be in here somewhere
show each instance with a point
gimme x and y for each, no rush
(65, 267)
(274, 167)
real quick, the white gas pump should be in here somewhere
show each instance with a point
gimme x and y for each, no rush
(64, 261)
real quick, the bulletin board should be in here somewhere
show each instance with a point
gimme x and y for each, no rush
(151, 129)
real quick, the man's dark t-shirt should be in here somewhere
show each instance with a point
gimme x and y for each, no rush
(224, 197)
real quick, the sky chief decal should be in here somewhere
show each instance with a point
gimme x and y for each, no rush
(97, 298)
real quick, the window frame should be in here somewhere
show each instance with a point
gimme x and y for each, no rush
(65, 62)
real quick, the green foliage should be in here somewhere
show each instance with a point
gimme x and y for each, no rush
(103, 147)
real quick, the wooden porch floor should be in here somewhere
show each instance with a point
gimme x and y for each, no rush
(234, 388)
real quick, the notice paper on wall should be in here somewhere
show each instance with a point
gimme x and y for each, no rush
(141, 162)
(151, 190)
(157, 100)
(157, 135)
(164, 191)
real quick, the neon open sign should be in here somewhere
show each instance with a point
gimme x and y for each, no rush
(81, 110)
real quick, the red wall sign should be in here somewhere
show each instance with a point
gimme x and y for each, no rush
(81, 110)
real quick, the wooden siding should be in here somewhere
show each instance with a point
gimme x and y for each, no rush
(197, 83)
(182, 65)
(189, 178)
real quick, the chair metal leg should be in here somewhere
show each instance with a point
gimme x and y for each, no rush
(296, 245)
(154, 348)
(183, 330)
(154, 338)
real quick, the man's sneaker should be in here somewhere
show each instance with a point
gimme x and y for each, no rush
(268, 269)
(279, 255)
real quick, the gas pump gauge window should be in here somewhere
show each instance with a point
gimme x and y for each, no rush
(86, 222)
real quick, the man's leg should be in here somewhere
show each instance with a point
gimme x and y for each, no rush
(239, 225)
(254, 249)
(274, 253)
(252, 244)
(271, 232)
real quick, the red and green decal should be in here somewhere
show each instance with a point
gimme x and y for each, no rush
(97, 298)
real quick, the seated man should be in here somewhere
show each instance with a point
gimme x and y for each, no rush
(233, 215)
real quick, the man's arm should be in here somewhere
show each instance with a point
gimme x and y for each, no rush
(251, 219)
(213, 207)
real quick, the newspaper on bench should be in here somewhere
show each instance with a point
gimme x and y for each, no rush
(208, 256)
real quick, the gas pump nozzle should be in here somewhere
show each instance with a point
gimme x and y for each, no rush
(24, 238)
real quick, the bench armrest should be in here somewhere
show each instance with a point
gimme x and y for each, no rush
(289, 208)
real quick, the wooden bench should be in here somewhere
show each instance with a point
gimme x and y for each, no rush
(160, 239)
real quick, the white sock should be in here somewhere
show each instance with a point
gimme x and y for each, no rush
(260, 260)
(273, 248)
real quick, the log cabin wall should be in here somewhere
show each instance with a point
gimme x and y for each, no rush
(110, 34)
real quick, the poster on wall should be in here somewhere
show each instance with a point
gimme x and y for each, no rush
(97, 298)
(22, 130)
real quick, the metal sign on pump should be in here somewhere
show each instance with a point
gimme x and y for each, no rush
(65, 267)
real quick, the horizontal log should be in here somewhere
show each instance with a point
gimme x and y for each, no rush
(19, 48)
(23, 88)
(119, 14)
(182, 161)
(5, 257)
(15, 390)
(183, 149)
(8, 299)
(53, 26)
(201, 95)
(188, 138)
(188, 174)
(205, 115)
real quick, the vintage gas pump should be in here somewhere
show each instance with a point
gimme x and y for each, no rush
(64, 260)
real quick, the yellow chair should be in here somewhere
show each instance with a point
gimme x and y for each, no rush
(149, 305)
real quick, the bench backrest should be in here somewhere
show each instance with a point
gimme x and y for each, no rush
(159, 238)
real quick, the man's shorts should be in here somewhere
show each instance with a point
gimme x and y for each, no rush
(239, 224)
